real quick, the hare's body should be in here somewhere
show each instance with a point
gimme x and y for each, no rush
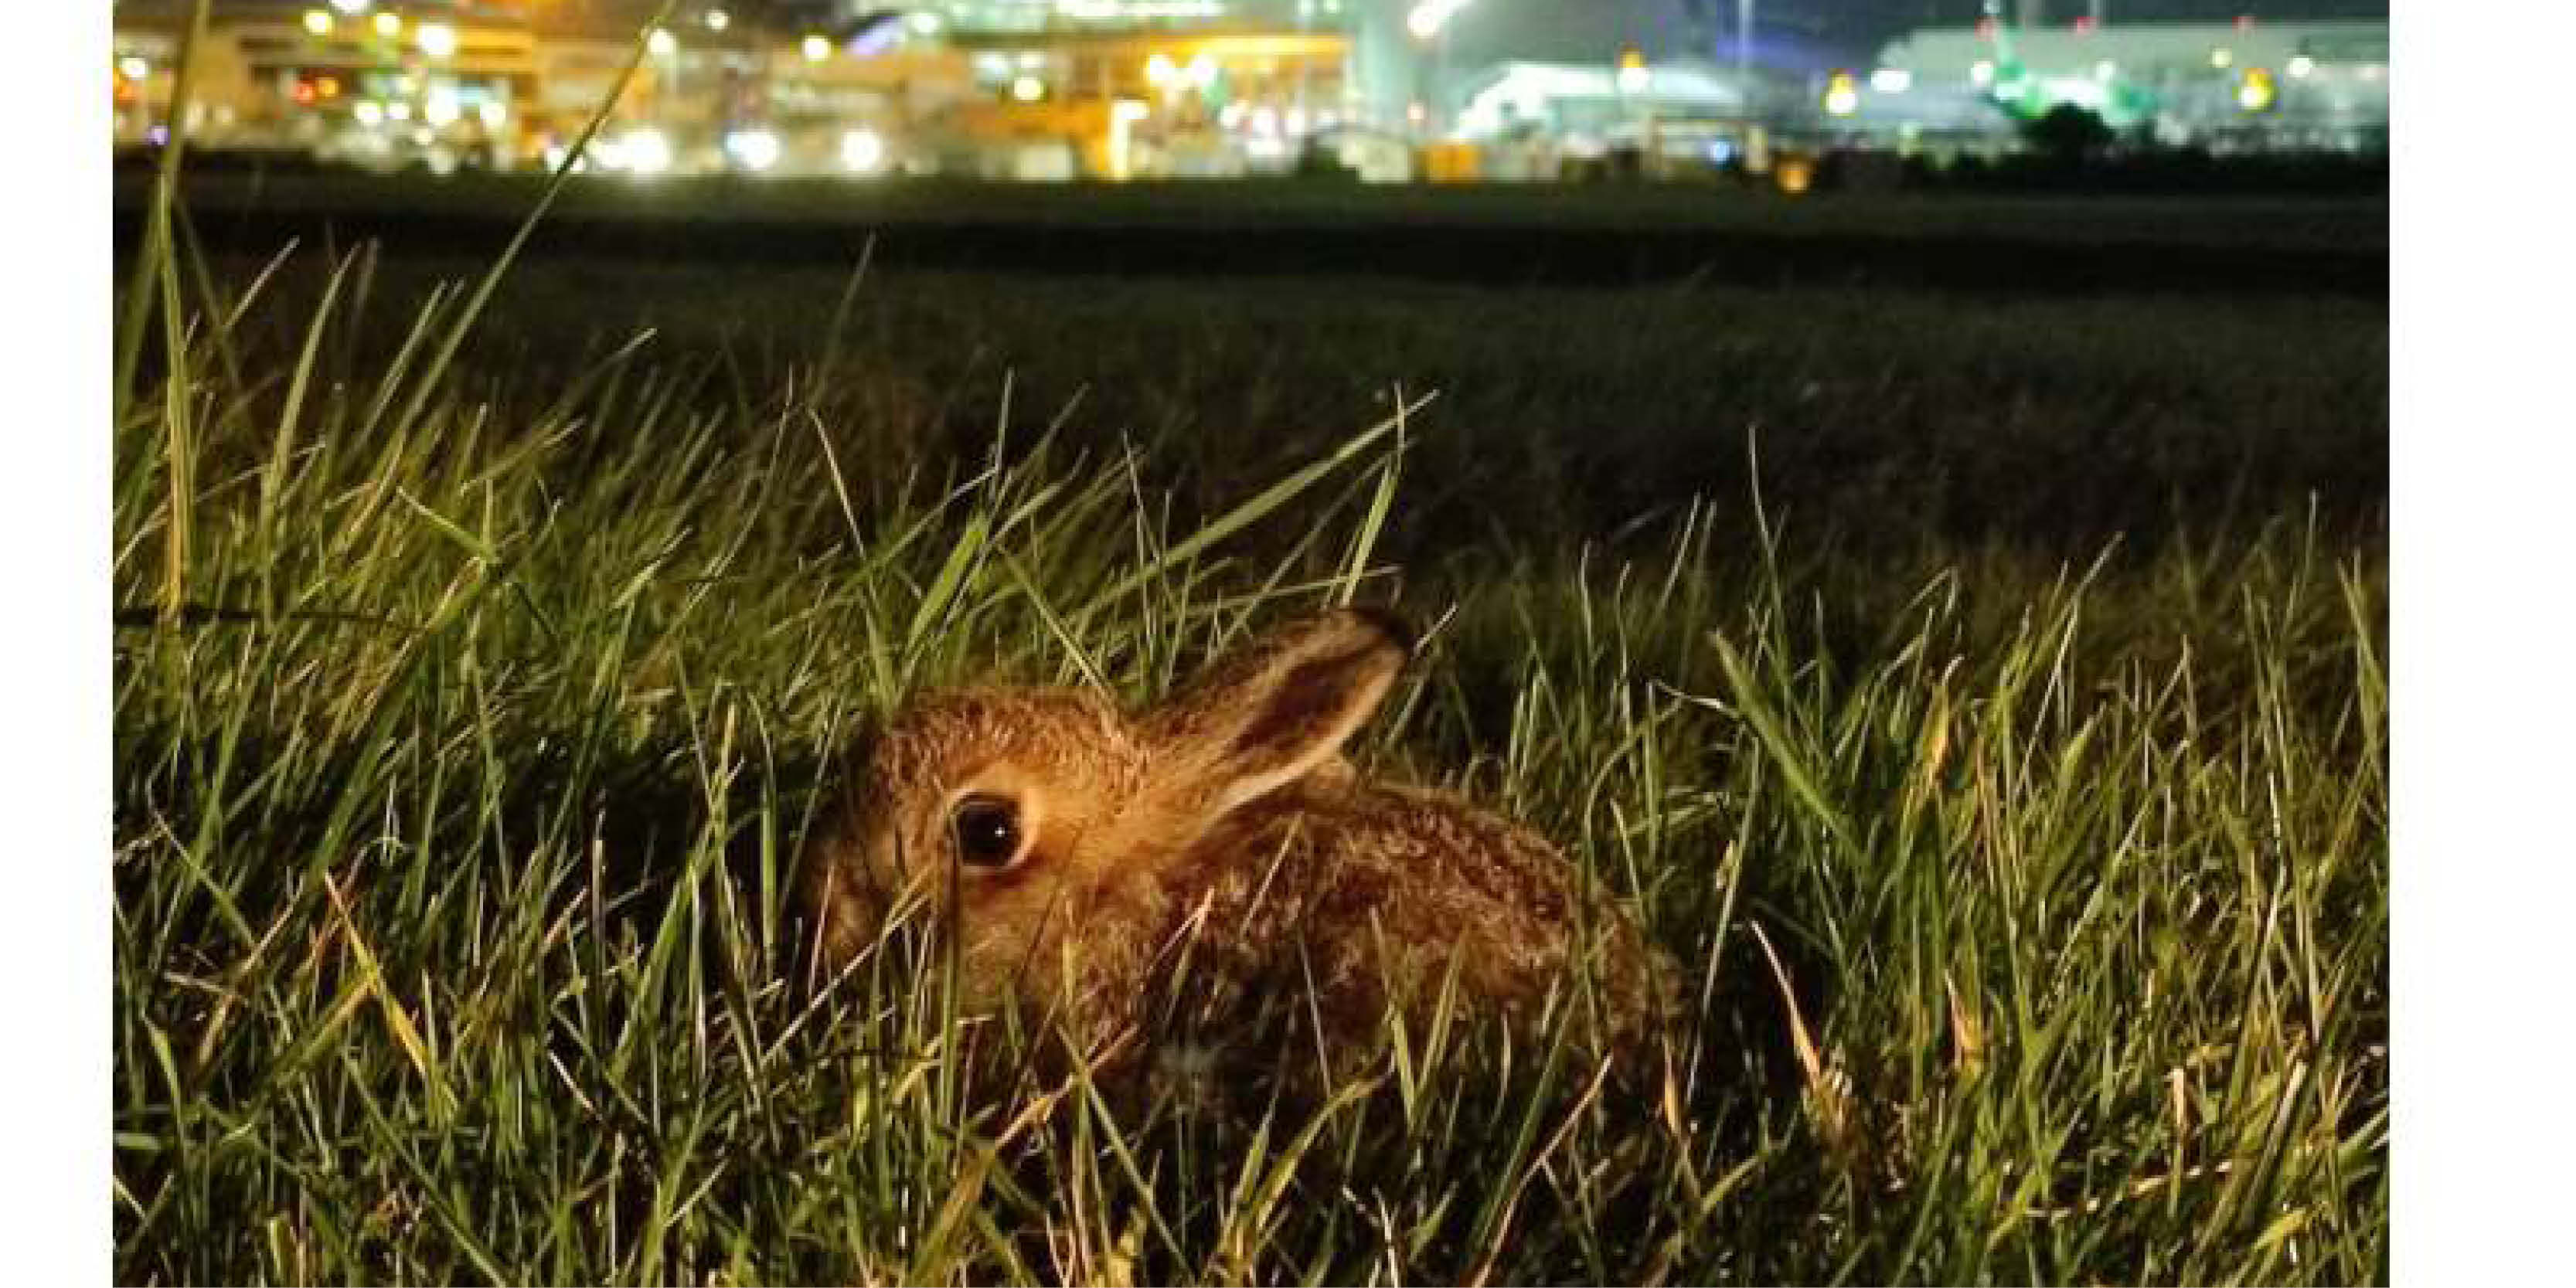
(1214, 859)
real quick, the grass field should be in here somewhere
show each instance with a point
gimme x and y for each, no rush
(1983, 694)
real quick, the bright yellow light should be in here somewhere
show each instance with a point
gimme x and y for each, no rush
(133, 67)
(399, 111)
(718, 20)
(817, 49)
(2302, 66)
(1842, 95)
(317, 23)
(388, 25)
(1159, 70)
(1028, 89)
(493, 115)
(2258, 91)
(2222, 58)
(441, 108)
(662, 43)
(369, 113)
(1202, 70)
(437, 39)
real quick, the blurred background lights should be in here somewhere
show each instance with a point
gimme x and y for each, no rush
(718, 20)
(1632, 73)
(1983, 72)
(2105, 70)
(2302, 66)
(662, 43)
(645, 152)
(2222, 58)
(437, 39)
(752, 149)
(135, 68)
(1842, 95)
(1028, 89)
(317, 23)
(1426, 19)
(1891, 80)
(862, 151)
(817, 49)
(353, 7)
(369, 113)
(388, 25)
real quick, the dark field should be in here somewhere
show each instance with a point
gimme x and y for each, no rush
(1956, 625)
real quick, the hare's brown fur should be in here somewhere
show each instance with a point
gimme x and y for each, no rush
(1214, 854)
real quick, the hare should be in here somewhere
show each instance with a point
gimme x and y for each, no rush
(1121, 874)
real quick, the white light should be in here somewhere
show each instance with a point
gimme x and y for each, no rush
(862, 152)
(1842, 100)
(1028, 89)
(399, 111)
(2302, 66)
(1891, 80)
(1635, 78)
(1159, 70)
(1983, 72)
(817, 49)
(2222, 58)
(317, 23)
(1202, 70)
(662, 43)
(135, 68)
(493, 115)
(353, 6)
(388, 25)
(1128, 109)
(718, 20)
(923, 23)
(369, 113)
(441, 108)
(755, 149)
(437, 39)
(1030, 60)
(1426, 19)
(646, 152)
(2105, 70)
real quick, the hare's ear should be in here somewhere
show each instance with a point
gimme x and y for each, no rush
(1273, 710)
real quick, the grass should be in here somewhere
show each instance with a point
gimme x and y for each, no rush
(2033, 883)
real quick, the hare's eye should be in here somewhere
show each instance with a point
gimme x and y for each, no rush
(988, 831)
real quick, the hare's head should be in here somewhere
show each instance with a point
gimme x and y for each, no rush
(1043, 827)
